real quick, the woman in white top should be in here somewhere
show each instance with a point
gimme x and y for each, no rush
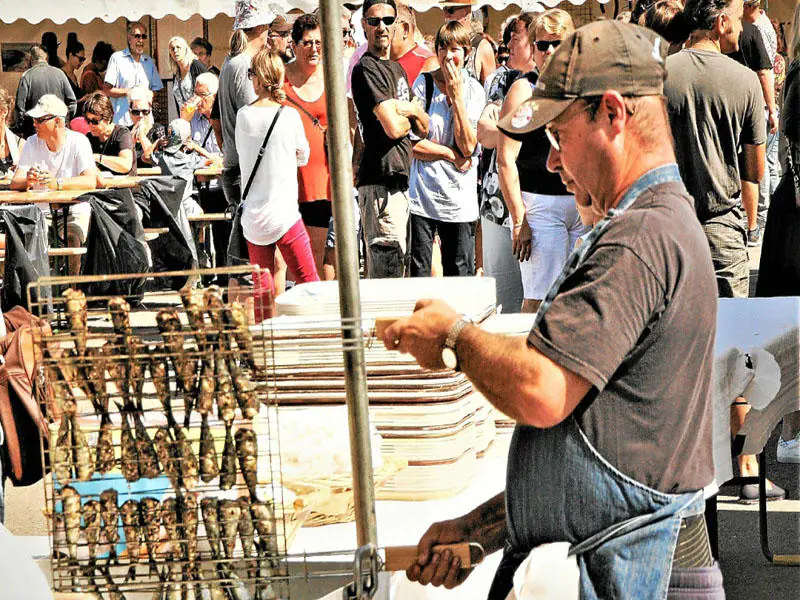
(270, 213)
(186, 67)
(10, 144)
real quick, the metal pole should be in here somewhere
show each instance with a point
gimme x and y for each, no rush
(347, 271)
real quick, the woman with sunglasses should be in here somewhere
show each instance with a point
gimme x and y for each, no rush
(147, 134)
(270, 214)
(76, 56)
(185, 69)
(112, 145)
(305, 90)
(545, 220)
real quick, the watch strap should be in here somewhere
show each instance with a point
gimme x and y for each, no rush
(455, 331)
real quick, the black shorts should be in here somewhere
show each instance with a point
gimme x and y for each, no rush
(317, 213)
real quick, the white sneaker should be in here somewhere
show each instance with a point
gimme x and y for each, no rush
(789, 452)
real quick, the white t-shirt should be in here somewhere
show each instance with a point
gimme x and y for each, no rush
(74, 157)
(270, 208)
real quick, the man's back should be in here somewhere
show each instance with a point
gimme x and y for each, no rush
(37, 81)
(235, 91)
(711, 119)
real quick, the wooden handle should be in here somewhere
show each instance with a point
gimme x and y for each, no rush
(400, 558)
(381, 323)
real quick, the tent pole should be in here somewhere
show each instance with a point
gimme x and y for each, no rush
(347, 269)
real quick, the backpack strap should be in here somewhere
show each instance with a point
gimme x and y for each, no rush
(428, 91)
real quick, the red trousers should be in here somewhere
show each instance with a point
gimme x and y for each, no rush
(295, 247)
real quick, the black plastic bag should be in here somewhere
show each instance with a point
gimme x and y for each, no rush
(26, 257)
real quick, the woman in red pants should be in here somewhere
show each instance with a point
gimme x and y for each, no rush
(270, 213)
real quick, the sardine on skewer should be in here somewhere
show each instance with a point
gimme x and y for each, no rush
(137, 359)
(189, 468)
(189, 521)
(61, 451)
(129, 454)
(247, 537)
(120, 312)
(226, 400)
(96, 375)
(159, 372)
(169, 518)
(104, 448)
(109, 514)
(84, 465)
(236, 317)
(209, 463)
(75, 307)
(227, 472)
(230, 511)
(207, 386)
(171, 329)
(132, 527)
(245, 393)
(212, 301)
(247, 453)
(148, 458)
(165, 449)
(209, 507)
(194, 314)
(264, 522)
(189, 367)
(91, 527)
(149, 508)
(71, 509)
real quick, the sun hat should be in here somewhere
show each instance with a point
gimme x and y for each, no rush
(252, 13)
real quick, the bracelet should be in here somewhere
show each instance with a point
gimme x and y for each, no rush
(518, 226)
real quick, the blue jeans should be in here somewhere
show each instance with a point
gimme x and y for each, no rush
(771, 179)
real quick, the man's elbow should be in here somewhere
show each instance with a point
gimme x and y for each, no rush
(541, 411)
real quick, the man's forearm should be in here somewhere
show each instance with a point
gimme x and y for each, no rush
(750, 202)
(766, 78)
(487, 524)
(429, 151)
(115, 92)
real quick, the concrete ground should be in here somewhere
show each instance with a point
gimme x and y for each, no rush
(748, 575)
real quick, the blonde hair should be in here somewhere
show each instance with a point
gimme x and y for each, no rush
(554, 21)
(179, 43)
(268, 68)
(793, 39)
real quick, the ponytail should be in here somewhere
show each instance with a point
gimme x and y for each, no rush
(238, 42)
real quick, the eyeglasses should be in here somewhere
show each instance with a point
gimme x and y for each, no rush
(136, 112)
(81, 59)
(544, 46)
(139, 36)
(552, 135)
(251, 74)
(310, 43)
(93, 121)
(376, 21)
(45, 119)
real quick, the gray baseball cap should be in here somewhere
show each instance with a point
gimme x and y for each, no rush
(600, 56)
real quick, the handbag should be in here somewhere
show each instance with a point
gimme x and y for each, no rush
(22, 398)
(237, 244)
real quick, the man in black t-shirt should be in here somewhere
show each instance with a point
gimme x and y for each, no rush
(611, 389)
(386, 115)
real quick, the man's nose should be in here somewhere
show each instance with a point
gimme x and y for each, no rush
(553, 160)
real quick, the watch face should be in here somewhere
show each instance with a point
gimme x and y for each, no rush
(449, 358)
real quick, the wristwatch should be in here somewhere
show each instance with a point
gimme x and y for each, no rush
(449, 356)
(59, 183)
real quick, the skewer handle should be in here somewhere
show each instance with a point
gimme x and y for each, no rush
(400, 558)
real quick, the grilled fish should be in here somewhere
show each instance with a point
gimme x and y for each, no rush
(165, 450)
(209, 507)
(207, 387)
(129, 455)
(61, 452)
(131, 526)
(75, 307)
(91, 527)
(230, 511)
(247, 453)
(236, 317)
(189, 468)
(110, 517)
(247, 537)
(209, 463)
(227, 472)
(169, 518)
(189, 522)
(149, 508)
(226, 401)
(159, 372)
(245, 393)
(71, 508)
(84, 466)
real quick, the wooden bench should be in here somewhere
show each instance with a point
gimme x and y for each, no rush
(57, 252)
(207, 218)
(151, 233)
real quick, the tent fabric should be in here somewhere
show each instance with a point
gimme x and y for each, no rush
(109, 11)
(26, 255)
(115, 243)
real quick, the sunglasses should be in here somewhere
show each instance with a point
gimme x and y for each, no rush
(310, 43)
(81, 59)
(93, 121)
(376, 21)
(139, 36)
(279, 34)
(45, 119)
(251, 74)
(543, 46)
(137, 111)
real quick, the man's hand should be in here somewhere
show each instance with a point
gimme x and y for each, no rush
(422, 334)
(440, 569)
(462, 163)
(772, 122)
(521, 241)
(406, 108)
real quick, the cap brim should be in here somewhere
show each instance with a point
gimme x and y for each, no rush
(37, 112)
(533, 114)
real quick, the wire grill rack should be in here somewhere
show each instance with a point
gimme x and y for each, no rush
(163, 444)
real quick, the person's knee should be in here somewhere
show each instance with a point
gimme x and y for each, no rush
(385, 261)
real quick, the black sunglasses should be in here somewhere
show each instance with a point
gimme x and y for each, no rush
(81, 59)
(375, 21)
(543, 46)
(139, 36)
(45, 119)
(138, 111)
(93, 121)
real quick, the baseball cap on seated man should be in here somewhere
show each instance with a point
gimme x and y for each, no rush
(47, 105)
(598, 57)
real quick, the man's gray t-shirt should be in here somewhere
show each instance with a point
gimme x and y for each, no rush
(715, 107)
(235, 91)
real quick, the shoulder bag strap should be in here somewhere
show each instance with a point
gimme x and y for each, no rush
(314, 119)
(428, 91)
(260, 154)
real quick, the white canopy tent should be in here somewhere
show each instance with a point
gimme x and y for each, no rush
(109, 11)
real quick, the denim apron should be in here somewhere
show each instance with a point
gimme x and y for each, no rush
(559, 488)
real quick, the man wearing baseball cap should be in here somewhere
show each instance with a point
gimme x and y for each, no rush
(57, 158)
(611, 389)
(280, 34)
